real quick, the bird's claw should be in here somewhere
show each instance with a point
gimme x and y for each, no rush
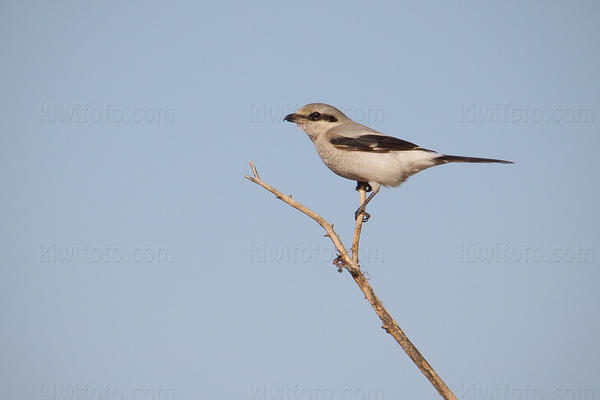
(365, 185)
(365, 214)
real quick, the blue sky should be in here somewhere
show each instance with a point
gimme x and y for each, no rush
(140, 264)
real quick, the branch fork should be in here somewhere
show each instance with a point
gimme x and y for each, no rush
(351, 264)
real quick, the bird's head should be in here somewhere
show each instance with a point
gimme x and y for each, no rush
(317, 118)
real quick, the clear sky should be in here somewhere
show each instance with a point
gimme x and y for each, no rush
(138, 263)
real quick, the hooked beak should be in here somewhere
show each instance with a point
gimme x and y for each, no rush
(293, 117)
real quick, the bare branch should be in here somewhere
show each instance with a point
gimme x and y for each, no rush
(348, 263)
(254, 171)
(351, 264)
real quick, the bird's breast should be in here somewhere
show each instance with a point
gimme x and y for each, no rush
(387, 168)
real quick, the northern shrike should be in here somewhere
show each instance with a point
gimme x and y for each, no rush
(362, 154)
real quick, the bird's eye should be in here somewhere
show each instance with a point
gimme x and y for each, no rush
(314, 116)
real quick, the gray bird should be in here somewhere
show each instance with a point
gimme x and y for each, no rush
(362, 154)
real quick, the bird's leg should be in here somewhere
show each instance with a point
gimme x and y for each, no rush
(363, 206)
(365, 185)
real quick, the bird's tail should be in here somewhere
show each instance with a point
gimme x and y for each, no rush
(443, 159)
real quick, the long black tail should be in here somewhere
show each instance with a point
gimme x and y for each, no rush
(443, 159)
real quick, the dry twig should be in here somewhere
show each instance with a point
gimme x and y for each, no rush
(351, 264)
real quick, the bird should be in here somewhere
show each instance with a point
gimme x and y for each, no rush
(371, 158)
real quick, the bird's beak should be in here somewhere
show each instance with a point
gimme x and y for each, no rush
(292, 117)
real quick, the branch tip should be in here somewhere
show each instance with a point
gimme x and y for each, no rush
(254, 171)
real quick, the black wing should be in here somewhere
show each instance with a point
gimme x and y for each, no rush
(375, 143)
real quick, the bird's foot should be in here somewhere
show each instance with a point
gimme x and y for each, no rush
(366, 185)
(359, 211)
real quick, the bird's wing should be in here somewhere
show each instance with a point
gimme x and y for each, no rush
(372, 142)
